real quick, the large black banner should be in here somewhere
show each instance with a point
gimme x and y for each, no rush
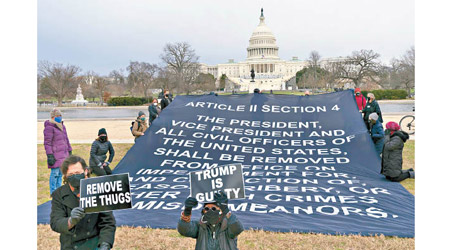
(309, 165)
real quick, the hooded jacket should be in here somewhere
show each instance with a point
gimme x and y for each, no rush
(56, 142)
(377, 134)
(223, 236)
(139, 127)
(392, 160)
(361, 101)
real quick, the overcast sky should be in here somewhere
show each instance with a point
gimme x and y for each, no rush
(103, 35)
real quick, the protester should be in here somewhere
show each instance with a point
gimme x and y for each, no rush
(371, 107)
(307, 93)
(57, 147)
(139, 126)
(77, 229)
(360, 99)
(153, 110)
(99, 148)
(376, 132)
(217, 228)
(392, 159)
(166, 100)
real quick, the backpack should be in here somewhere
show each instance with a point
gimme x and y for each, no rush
(132, 124)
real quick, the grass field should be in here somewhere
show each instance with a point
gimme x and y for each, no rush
(146, 238)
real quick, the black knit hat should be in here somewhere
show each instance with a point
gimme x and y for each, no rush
(102, 131)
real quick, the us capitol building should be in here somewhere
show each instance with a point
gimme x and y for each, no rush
(271, 73)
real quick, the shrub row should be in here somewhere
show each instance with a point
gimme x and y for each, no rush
(128, 101)
(387, 94)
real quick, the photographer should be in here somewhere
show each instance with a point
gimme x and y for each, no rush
(217, 227)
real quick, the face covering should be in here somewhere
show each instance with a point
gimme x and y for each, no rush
(103, 138)
(143, 119)
(74, 181)
(58, 119)
(358, 94)
(211, 217)
(155, 103)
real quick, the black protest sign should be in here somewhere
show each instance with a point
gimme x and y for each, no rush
(227, 178)
(105, 193)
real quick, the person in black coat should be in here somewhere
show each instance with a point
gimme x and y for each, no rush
(166, 100)
(97, 160)
(392, 159)
(77, 229)
(153, 111)
(371, 107)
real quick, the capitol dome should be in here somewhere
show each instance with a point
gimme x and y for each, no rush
(262, 43)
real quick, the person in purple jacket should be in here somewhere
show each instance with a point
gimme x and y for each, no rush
(57, 147)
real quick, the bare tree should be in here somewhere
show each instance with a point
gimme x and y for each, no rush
(58, 80)
(361, 65)
(182, 61)
(142, 74)
(314, 58)
(403, 71)
(99, 85)
(118, 76)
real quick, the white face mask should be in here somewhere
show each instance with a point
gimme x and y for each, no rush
(155, 103)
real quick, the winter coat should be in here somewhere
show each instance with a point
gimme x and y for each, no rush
(392, 159)
(153, 112)
(56, 142)
(377, 134)
(82, 235)
(165, 102)
(98, 152)
(223, 236)
(139, 128)
(370, 108)
(361, 101)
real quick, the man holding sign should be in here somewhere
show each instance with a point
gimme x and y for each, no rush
(79, 230)
(217, 228)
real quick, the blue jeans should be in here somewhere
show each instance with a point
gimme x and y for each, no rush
(55, 179)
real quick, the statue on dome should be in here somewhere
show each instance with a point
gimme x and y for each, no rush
(252, 75)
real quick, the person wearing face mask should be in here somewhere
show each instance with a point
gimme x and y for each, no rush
(376, 132)
(77, 229)
(153, 111)
(371, 107)
(100, 147)
(139, 126)
(217, 228)
(166, 100)
(360, 99)
(392, 159)
(57, 147)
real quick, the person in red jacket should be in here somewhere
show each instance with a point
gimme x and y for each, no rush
(360, 100)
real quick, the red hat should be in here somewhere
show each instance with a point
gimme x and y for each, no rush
(392, 126)
(357, 90)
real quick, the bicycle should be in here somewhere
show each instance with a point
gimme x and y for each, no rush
(407, 124)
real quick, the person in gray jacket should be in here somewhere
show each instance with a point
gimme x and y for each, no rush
(392, 159)
(217, 229)
(100, 147)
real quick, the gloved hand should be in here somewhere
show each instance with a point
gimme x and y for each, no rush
(51, 159)
(222, 201)
(104, 246)
(70, 152)
(189, 203)
(76, 215)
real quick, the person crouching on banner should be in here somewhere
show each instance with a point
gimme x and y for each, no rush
(392, 159)
(77, 229)
(218, 228)
(376, 132)
(99, 148)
